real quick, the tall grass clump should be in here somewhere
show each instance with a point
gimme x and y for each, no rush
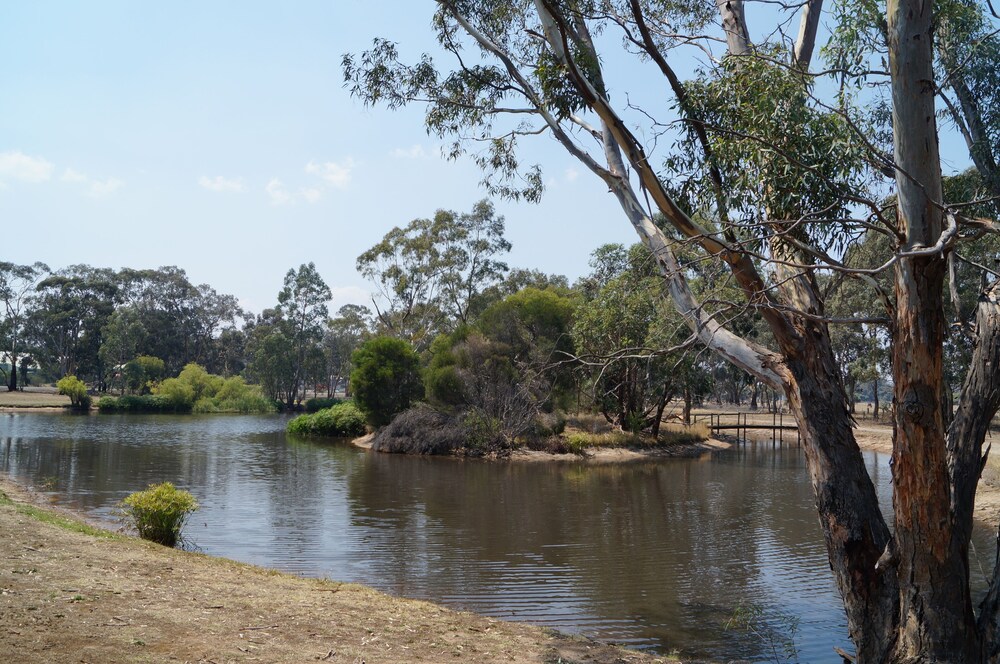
(341, 421)
(158, 513)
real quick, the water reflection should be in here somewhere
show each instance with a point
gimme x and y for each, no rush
(654, 555)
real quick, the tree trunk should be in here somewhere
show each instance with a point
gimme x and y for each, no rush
(687, 404)
(936, 620)
(875, 389)
(12, 385)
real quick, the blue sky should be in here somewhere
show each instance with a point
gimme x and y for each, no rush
(218, 137)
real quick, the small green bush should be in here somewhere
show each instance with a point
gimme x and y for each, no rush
(340, 421)
(76, 390)
(158, 513)
(320, 403)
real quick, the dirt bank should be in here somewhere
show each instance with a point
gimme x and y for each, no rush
(92, 596)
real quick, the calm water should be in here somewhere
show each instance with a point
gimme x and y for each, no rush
(652, 555)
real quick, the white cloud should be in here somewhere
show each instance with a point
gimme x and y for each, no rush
(15, 165)
(310, 195)
(70, 175)
(571, 175)
(415, 151)
(278, 192)
(93, 187)
(222, 184)
(102, 188)
(335, 174)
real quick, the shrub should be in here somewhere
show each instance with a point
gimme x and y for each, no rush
(179, 393)
(204, 405)
(148, 403)
(158, 513)
(386, 378)
(421, 430)
(484, 435)
(76, 390)
(550, 424)
(320, 403)
(341, 420)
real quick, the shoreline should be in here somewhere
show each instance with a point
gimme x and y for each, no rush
(73, 592)
(595, 455)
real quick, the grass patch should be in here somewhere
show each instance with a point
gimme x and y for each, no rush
(670, 434)
(57, 520)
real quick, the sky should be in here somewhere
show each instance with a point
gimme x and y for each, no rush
(218, 137)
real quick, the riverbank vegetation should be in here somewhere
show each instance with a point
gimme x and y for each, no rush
(342, 420)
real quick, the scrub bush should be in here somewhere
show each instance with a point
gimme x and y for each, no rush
(342, 421)
(158, 513)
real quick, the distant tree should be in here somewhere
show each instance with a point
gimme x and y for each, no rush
(17, 283)
(141, 372)
(123, 334)
(271, 356)
(518, 279)
(69, 310)
(536, 327)
(303, 305)
(386, 378)
(344, 333)
(430, 273)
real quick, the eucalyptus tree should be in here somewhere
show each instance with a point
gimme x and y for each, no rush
(70, 308)
(429, 274)
(777, 182)
(17, 284)
(302, 304)
(344, 333)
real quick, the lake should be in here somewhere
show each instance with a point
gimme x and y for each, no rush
(654, 555)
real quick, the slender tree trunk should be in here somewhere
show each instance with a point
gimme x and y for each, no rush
(687, 404)
(875, 389)
(12, 385)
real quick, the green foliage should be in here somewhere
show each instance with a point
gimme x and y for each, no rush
(178, 393)
(320, 403)
(386, 378)
(76, 390)
(485, 435)
(431, 273)
(194, 390)
(158, 512)
(146, 403)
(142, 372)
(342, 420)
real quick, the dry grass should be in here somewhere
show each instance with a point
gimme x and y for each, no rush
(33, 397)
(670, 434)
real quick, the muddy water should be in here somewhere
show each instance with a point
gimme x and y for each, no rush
(653, 555)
